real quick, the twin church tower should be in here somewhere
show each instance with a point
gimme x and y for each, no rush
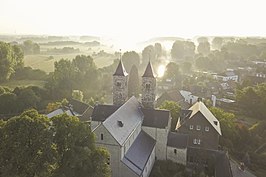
(120, 86)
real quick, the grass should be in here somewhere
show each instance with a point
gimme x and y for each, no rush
(43, 62)
(23, 83)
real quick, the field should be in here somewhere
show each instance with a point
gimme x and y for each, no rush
(45, 62)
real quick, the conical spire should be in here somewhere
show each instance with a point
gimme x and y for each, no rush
(149, 71)
(120, 70)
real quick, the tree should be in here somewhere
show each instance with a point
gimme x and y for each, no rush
(158, 50)
(186, 67)
(77, 94)
(217, 43)
(133, 82)
(174, 108)
(7, 61)
(148, 53)
(26, 149)
(8, 103)
(172, 72)
(177, 51)
(182, 49)
(129, 59)
(204, 48)
(32, 145)
(202, 39)
(77, 154)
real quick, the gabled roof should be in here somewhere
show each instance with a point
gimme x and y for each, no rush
(149, 71)
(78, 106)
(152, 117)
(123, 121)
(139, 152)
(155, 117)
(200, 107)
(177, 140)
(120, 70)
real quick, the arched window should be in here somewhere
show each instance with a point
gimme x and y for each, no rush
(148, 86)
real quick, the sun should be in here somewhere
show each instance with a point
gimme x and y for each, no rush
(161, 70)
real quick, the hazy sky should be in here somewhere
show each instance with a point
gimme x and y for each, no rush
(133, 19)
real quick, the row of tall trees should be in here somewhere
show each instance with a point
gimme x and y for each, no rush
(11, 58)
(32, 145)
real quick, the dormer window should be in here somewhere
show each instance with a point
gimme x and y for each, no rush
(215, 122)
(120, 123)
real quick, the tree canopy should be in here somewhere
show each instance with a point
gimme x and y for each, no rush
(32, 145)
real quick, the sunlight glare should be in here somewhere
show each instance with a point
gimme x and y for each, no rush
(161, 70)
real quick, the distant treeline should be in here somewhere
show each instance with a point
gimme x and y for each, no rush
(92, 43)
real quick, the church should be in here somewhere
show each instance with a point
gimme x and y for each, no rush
(136, 134)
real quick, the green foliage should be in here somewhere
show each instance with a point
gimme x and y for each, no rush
(20, 99)
(133, 82)
(10, 59)
(30, 47)
(129, 59)
(78, 74)
(77, 94)
(252, 100)
(148, 53)
(167, 169)
(26, 150)
(182, 49)
(217, 43)
(24, 73)
(174, 108)
(204, 48)
(32, 145)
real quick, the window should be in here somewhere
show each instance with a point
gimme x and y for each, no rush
(198, 127)
(148, 86)
(195, 141)
(175, 151)
(207, 129)
(191, 127)
(118, 84)
(108, 160)
(101, 136)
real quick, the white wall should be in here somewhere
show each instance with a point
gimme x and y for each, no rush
(160, 135)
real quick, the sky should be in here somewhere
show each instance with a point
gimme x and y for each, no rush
(134, 20)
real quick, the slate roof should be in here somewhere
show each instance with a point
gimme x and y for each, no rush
(59, 112)
(120, 70)
(155, 117)
(124, 120)
(177, 140)
(200, 107)
(101, 112)
(152, 117)
(139, 153)
(78, 106)
(149, 71)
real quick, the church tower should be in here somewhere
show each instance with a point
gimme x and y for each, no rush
(148, 87)
(120, 90)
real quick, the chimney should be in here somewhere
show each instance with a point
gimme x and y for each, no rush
(199, 99)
